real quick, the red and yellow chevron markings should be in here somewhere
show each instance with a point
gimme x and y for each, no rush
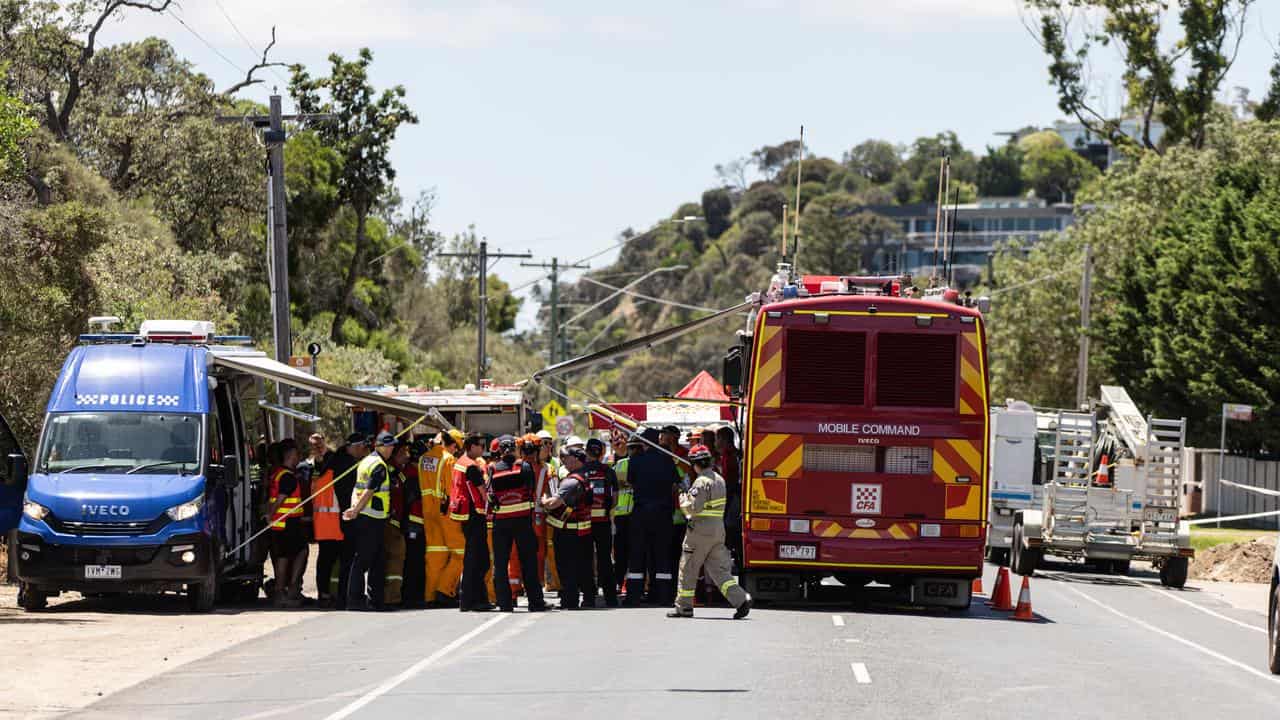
(972, 399)
(781, 455)
(896, 531)
(768, 380)
(959, 459)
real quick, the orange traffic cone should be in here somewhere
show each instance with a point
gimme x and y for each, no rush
(1001, 596)
(977, 585)
(1023, 612)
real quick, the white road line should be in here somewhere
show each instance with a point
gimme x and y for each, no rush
(860, 673)
(1203, 609)
(837, 620)
(1176, 638)
(416, 668)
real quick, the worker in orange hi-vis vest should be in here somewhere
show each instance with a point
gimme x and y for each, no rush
(445, 542)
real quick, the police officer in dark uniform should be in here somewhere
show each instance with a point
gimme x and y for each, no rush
(652, 475)
(604, 488)
(511, 498)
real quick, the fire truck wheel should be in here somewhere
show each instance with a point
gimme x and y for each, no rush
(1174, 572)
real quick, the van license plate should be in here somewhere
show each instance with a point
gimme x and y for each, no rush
(789, 551)
(102, 572)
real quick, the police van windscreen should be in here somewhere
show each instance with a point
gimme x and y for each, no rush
(121, 442)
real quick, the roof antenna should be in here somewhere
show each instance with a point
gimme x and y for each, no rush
(944, 170)
(799, 173)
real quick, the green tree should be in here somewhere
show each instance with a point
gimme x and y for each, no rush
(365, 125)
(875, 160)
(1074, 32)
(1054, 171)
(834, 239)
(1000, 171)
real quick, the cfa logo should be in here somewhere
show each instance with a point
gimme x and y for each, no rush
(866, 499)
(104, 510)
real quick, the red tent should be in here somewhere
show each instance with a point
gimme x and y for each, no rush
(703, 387)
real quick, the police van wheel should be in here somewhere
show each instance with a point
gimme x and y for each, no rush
(30, 599)
(202, 596)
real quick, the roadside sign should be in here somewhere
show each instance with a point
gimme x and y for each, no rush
(303, 363)
(550, 413)
(1234, 411)
(564, 425)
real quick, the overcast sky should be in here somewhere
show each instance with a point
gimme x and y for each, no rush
(552, 126)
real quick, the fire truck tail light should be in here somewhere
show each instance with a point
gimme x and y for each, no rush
(800, 526)
(930, 530)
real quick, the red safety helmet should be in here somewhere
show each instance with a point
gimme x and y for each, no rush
(699, 452)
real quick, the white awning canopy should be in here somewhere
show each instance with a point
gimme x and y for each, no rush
(261, 366)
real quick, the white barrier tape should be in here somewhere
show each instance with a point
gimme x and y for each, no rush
(1207, 520)
(1251, 488)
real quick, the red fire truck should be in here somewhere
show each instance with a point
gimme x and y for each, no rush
(864, 439)
(864, 432)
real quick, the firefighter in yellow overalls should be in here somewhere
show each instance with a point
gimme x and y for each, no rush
(703, 548)
(445, 543)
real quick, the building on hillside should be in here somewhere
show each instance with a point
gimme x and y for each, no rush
(1099, 150)
(981, 227)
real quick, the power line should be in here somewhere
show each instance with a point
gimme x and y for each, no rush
(650, 298)
(247, 43)
(207, 44)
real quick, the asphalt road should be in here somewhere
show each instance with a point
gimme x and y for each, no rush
(1102, 646)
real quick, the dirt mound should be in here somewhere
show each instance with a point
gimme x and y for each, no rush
(1235, 562)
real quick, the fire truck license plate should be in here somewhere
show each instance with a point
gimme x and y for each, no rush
(787, 551)
(101, 572)
(940, 589)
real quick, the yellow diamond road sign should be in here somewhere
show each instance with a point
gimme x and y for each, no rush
(550, 412)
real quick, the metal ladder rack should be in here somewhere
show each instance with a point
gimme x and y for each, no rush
(1072, 465)
(1165, 439)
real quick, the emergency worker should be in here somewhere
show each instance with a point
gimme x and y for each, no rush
(370, 507)
(547, 457)
(512, 484)
(467, 506)
(414, 589)
(288, 541)
(394, 537)
(623, 507)
(530, 449)
(730, 465)
(604, 489)
(445, 542)
(704, 546)
(669, 439)
(569, 515)
(652, 475)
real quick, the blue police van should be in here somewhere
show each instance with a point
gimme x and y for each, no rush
(142, 482)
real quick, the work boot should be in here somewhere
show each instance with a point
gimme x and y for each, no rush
(680, 613)
(743, 609)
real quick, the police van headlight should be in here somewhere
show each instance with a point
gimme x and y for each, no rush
(34, 510)
(186, 510)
